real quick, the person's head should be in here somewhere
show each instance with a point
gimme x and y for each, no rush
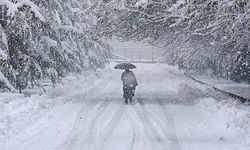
(127, 70)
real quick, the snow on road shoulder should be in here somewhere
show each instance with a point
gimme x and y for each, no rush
(230, 118)
(18, 112)
(84, 84)
(48, 132)
(241, 89)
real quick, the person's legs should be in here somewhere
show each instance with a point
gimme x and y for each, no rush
(133, 91)
(126, 100)
(124, 91)
(125, 94)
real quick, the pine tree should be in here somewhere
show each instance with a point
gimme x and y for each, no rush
(48, 39)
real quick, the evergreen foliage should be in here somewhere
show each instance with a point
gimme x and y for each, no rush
(195, 34)
(47, 39)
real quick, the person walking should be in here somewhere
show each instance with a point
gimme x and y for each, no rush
(128, 79)
(129, 84)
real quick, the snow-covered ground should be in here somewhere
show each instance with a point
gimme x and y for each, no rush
(241, 89)
(170, 111)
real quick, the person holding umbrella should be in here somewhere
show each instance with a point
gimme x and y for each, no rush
(129, 81)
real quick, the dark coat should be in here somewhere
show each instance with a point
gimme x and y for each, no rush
(128, 78)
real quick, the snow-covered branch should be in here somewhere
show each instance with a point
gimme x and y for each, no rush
(12, 8)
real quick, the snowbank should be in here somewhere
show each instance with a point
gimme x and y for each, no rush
(240, 89)
(229, 116)
(82, 86)
(190, 94)
(18, 112)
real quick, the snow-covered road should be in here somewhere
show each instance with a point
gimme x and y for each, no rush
(163, 116)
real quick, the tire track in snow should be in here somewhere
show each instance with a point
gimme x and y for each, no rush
(86, 131)
(110, 127)
(149, 128)
(161, 130)
(92, 134)
(73, 137)
(78, 121)
(79, 136)
(155, 127)
(85, 113)
(135, 130)
(133, 139)
(173, 136)
(152, 134)
(161, 123)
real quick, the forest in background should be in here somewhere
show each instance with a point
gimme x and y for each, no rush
(194, 34)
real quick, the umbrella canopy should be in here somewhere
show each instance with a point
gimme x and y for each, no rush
(125, 66)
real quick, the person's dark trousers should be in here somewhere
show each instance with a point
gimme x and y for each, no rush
(128, 92)
(125, 92)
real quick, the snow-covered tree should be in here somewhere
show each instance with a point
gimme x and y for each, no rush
(195, 34)
(48, 38)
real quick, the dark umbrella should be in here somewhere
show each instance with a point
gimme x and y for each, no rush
(125, 66)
